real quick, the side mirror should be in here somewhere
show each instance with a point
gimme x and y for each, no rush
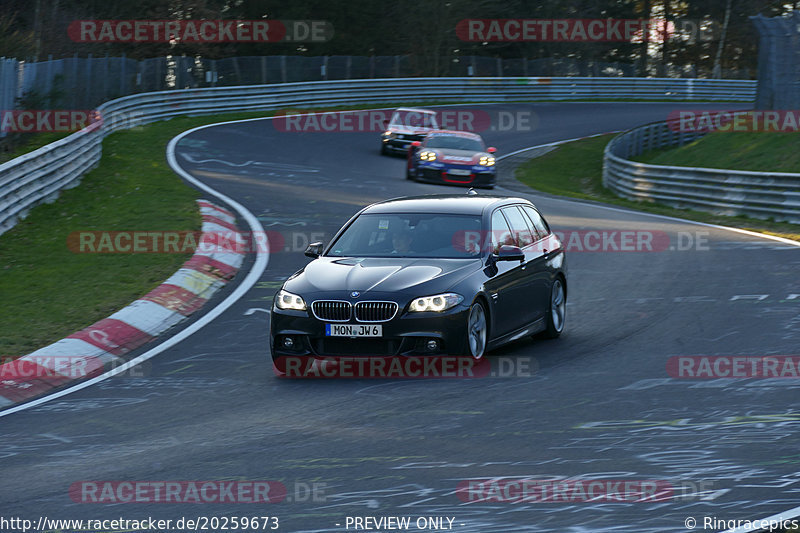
(314, 250)
(510, 253)
(491, 149)
(385, 124)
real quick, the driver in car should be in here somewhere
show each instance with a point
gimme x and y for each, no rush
(401, 241)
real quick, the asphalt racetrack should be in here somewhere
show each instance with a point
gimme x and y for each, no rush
(598, 403)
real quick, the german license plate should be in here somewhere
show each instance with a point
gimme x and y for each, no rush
(458, 172)
(353, 330)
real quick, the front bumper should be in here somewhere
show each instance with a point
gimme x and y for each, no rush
(400, 142)
(480, 176)
(404, 335)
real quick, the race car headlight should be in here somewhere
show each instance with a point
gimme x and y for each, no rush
(486, 161)
(428, 156)
(388, 135)
(436, 303)
(287, 300)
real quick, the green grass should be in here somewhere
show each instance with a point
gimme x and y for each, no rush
(575, 169)
(764, 152)
(29, 143)
(49, 292)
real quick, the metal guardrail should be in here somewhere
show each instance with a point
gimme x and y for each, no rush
(727, 192)
(39, 176)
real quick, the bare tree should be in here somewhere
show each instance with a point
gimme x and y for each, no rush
(717, 70)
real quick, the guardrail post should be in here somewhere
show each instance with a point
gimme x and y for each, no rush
(237, 71)
(49, 73)
(105, 77)
(122, 76)
(637, 139)
(74, 86)
(88, 71)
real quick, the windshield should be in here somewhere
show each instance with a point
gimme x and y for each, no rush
(430, 235)
(414, 119)
(454, 142)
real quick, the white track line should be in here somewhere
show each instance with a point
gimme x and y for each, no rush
(252, 277)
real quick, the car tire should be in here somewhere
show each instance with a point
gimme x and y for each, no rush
(384, 151)
(477, 331)
(556, 310)
(410, 174)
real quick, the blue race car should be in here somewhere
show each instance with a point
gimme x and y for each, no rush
(456, 157)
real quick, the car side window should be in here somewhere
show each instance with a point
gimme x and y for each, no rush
(501, 233)
(538, 222)
(519, 226)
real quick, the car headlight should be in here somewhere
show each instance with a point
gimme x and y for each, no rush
(427, 156)
(388, 135)
(437, 303)
(486, 161)
(287, 300)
